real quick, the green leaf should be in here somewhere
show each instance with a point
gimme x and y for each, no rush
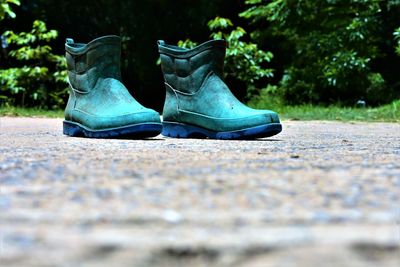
(219, 23)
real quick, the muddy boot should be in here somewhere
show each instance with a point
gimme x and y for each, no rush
(199, 104)
(99, 105)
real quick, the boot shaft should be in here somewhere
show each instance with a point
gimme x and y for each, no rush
(87, 63)
(185, 69)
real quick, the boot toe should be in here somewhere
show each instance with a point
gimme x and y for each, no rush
(272, 117)
(148, 116)
(145, 116)
(264, 117)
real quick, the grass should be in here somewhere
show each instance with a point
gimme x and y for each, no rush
(30, 112)
(386, 113)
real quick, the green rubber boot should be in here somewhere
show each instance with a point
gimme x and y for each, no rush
(99, 105)
(198, 103)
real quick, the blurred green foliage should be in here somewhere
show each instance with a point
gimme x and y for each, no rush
(244, 61)
(38, 77)
(6, 8)
(397, 37)
(333, 46)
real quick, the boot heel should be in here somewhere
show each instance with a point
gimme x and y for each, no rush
(72, 129)
(180, 130)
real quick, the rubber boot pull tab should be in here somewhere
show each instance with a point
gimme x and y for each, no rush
(69, 41)
(161, 42)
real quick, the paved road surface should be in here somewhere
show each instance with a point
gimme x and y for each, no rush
(319, 194)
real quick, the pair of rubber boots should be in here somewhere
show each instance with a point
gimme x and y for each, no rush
(198, 103)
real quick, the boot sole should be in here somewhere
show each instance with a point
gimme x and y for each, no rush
(136, 131)
(181, 130)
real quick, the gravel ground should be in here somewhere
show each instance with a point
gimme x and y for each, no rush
(319, 194)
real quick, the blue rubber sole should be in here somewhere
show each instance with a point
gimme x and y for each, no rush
(137, 131)
(180, 130)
